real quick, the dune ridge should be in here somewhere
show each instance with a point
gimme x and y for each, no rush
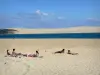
(83, 29)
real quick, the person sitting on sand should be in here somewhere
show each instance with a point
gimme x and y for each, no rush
(62, 51)
(8, 53)
(37, 53)
(69, 52)
(14, 53)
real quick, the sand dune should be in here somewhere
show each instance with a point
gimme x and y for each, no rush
(87, 62)
(82, 29)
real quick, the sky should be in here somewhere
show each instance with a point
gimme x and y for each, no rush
(49, 13)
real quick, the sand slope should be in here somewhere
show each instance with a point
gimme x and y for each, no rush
(83, 29)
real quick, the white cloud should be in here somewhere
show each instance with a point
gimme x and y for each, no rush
(38, 12)
(36, 19)
(41, 13)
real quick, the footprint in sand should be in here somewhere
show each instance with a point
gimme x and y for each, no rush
(27, 69)
(14, 67)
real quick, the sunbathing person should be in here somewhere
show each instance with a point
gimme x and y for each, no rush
(8, 53)
(25, 55)
(37, 53)
(14, 54)
(62, 51)
(69, 52)
(34, 55)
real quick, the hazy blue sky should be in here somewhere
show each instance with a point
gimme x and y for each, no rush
(49, 13)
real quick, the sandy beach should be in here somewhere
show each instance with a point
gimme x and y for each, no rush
(87, 62)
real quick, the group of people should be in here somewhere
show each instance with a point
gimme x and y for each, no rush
(63, 50)
(15, 54)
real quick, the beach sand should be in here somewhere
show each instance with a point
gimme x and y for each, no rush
(87, 62)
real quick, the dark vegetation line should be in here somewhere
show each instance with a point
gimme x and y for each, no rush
(7, 31)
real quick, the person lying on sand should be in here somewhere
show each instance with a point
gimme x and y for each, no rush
(62, 51)
(25, 55)
(14, 54)
(34, 55)
(69, 52)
